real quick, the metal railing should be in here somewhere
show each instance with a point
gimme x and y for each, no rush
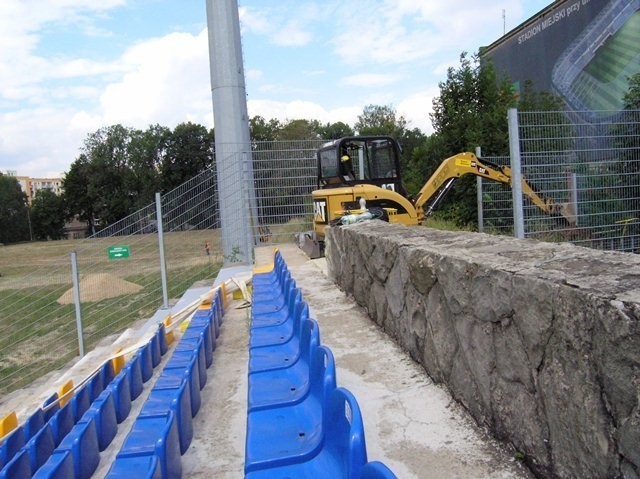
(590, 168)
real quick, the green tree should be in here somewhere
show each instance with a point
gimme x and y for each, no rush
(109, 173)
(632, 96)
(299, 130)
(470, 111)
(380, 120)
(262, 130)
(189, 151)
(76, 191)
(146, 152)
(48, 215)
(333, 131)
(14, 213)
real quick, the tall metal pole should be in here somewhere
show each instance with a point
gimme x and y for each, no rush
(163, 263)
(516, 173)
(231, 123)
(479, 195)
(76, 301)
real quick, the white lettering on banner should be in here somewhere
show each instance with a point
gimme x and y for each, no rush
(532, 32)
(550, 20)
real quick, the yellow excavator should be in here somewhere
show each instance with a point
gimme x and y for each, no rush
(359, 178)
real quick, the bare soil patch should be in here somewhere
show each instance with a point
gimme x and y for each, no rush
(99, 286)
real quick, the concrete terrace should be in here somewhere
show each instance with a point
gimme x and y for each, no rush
(411, 424)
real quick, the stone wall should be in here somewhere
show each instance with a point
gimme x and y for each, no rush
(539, 341)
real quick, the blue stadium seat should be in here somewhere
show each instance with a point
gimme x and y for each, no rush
(11, 445)
(80, 402)
(120, 387)
(284, 355)
(376, 470)
(146, 361)
(33, 424)
(280, 333)
(270, 299)
(274, 316)
(82, 443)
(288, 434)
(155, 435)
(343, 450)
(139, 467)
(103, 412)
(40, 447)
(156, 354)
(163, 399)
(18, 467)
(134, 368)
(50, 406)
(62, 422)
(195, 331)
(187, 348)
(58, 466)
(187, 370)
(162, 339)
(285, 387)
(95, 386)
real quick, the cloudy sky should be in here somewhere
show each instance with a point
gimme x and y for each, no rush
(69, 67)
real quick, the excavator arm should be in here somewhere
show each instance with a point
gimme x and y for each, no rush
(439, 184)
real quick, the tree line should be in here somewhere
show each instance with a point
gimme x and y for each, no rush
(119, 169)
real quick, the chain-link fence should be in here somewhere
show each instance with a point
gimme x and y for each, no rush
(119, 280)
(589, 169)
(119, 269)
(593, 169)
(284, 175)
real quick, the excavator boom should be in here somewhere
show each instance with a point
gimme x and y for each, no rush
(437, 186)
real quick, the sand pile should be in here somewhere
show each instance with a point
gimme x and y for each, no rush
(95, 287)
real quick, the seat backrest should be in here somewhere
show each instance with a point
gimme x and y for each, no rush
(294, 299)
(309, 339)
(11, 445)
(376, 470)
(322, 374)
(344, 432)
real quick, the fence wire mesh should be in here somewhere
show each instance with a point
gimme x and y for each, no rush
(37, 309)
(497, 203)
(593, 168)
(588, 165)
(284, 175)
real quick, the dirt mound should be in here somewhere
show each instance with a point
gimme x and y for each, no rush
(95, 287)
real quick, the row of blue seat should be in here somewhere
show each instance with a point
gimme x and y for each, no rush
(299, 423)
(163, 430)
(64, 441)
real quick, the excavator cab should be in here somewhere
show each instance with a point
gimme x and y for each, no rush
(350, 161)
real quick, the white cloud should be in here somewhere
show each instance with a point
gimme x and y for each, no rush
(370, 80)
(167, 82)
(285, 111)
(417, 107)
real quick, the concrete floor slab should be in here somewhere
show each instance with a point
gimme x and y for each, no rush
(411, 424)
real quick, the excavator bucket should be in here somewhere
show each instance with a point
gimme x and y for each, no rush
(308, 243)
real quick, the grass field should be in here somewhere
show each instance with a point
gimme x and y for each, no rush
(39, 334)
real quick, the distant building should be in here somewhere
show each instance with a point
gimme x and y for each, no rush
(75, 229)
(32, 185)
(583, 51)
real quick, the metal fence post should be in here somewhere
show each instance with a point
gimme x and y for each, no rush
(76, 301)
(479, 195)
(163, 264)
(516, 173)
